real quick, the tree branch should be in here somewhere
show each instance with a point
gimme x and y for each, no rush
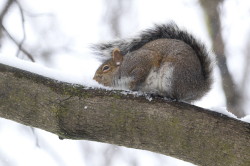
(5, 9)
(24, 32)
(19, 45)
(2, 14)
(176, 129)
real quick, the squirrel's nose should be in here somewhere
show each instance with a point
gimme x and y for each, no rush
(97, 77)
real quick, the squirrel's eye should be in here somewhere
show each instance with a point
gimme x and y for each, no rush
(105, 68)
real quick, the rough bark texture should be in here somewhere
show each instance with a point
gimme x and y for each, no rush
(176, 129)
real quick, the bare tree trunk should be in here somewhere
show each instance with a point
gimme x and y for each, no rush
(115, 10)
(176, 129)
(232, 94)
(244, 87)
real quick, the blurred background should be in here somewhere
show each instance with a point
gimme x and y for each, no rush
(57, 34)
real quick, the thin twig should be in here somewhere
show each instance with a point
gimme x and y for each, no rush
(5, 9)
(32, 15)
(23, 27)
(20, 46)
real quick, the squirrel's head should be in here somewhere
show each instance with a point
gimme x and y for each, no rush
(108, 69)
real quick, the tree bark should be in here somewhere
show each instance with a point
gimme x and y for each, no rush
(172, 128)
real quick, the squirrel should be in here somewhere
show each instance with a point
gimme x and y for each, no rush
(163, 61)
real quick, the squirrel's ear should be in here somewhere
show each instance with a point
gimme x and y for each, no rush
(117, 56)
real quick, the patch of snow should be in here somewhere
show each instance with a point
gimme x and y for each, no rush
(48, 72)
(223, 110)
(246, 119)
(149, 98)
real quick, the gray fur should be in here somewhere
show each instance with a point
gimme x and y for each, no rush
(184, 71)
(168, 31)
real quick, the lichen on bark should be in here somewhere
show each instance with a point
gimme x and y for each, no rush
(172, 128)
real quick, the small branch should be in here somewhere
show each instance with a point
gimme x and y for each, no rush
(23, 27)
(2, 14)
(34, 15)
(19, 46)
(5, 9)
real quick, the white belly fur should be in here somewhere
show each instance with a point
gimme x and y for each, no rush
(159, 81)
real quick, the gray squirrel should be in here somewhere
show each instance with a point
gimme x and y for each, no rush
(164, 61)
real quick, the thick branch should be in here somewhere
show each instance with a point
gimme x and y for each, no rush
(172, 128)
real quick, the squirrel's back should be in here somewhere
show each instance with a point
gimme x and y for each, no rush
(161, 31)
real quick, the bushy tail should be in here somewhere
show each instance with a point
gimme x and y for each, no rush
(169, 31)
